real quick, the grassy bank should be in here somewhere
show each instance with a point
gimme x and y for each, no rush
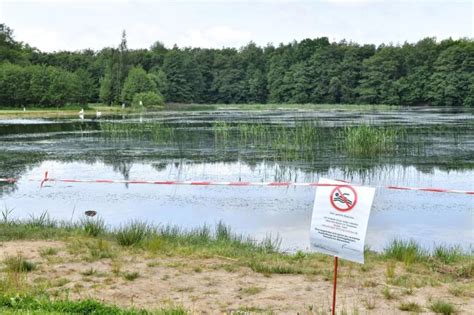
(90, 109)
(400, 270)
(43, 304)
(219, 241)
(60, 112)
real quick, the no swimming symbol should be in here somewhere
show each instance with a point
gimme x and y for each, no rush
(343, 198)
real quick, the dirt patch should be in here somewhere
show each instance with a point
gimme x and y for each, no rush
(219, 285)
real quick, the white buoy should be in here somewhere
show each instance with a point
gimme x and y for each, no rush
(98, 114)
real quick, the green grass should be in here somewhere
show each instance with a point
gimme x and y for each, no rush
(130, 276)
(252, 290)
(50, 251)
(18, 264)
(93, 226)
(410, 307)
(442, 307)
(133, 233)
(388, 294)
(28, 304)
(448, 254)
(220, 241)
(405, 251)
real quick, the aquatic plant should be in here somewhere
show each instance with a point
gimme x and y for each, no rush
(369, 140)
(300, 140)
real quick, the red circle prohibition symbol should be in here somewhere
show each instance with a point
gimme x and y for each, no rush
(338, 196)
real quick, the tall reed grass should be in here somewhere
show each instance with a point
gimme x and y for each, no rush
(301, 140)
(369, 140)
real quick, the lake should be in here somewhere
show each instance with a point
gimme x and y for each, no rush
(434, 149)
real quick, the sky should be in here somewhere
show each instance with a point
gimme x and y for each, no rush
(75, 25)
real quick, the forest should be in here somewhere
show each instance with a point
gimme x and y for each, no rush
(429, 72)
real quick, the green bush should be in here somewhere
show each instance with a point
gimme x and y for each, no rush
(149, 99)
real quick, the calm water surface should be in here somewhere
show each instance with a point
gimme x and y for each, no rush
(441, 154)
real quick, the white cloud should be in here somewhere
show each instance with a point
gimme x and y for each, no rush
(214, 37)
(42, 38)
(225, 33)
(53, 25)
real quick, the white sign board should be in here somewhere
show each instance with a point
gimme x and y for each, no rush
(340, 216)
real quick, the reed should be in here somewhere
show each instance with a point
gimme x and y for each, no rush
(369, 140)
(298, 141)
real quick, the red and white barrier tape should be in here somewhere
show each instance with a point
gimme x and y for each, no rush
(212, 183)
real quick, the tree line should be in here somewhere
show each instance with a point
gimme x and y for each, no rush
(428, 72)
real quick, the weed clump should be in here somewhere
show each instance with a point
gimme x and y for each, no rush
(448, 255)
(442, 307)
(19, 264)
(410, 307)
(93, 226)
(130, 276)
(368, 140)
(405, 251)
(133, 233)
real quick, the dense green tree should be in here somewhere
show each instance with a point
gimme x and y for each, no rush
(379, 77)
(300, 80)
(184, 80)
(257, 86)
(230, 82)
(14, 84)
(453, 78)
(309, 71)
(279, 89)
(148, 99)
(322, 67)
(11, 50)
(86, 87)
(137, 81)
(159, 77)
(39, 86)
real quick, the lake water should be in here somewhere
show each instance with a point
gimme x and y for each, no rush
(438, 152)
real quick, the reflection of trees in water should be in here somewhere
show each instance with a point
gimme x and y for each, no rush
(119, 165)
(123, 167)
(159, 166)
(15, 165)
(270, 167)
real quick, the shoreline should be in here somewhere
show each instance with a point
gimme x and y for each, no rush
(211, 269)
(90, 109)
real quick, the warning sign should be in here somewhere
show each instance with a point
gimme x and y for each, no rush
(340, 217)
(343, 198)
